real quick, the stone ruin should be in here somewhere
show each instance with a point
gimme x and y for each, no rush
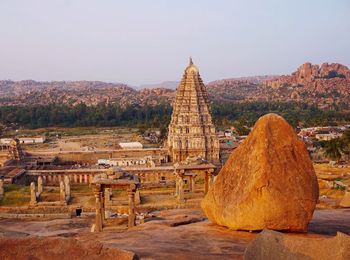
(35, 196)
(103, 185)
(188, 171)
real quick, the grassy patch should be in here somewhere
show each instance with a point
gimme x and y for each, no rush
(81, 189)
(15, 195)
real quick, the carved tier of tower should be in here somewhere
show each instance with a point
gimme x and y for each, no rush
(191, 130)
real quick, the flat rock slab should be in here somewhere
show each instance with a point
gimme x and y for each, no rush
(157, 240)
(58, 249)
(274, 245)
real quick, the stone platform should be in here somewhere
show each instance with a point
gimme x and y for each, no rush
(171, 234)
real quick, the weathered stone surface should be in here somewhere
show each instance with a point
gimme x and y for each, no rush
(62, 191)
(268, 182)
(32, 194)
(58, 248)
(40, 185)
(274, 245)
(345, 202)
(67, 185)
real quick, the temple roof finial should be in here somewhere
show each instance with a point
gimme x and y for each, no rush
(191, 61)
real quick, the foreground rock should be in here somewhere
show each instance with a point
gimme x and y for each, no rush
(58, 248)
(268, 182)
(345, 202)
(274, 245)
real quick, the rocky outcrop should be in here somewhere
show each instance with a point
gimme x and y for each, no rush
(326, 85)
(58, 248)
(267, 182)
(274, 245)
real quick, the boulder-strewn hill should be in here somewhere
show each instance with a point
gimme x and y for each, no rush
(324, 85)
(327, 85)
(74, 92)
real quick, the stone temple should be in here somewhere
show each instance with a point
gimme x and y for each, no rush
(191, 129)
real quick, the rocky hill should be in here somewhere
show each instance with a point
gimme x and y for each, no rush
(74, 92)
(327, 85)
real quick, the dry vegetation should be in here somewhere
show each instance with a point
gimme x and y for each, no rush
(15, 195)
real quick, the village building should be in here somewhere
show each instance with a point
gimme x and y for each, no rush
(25, 140)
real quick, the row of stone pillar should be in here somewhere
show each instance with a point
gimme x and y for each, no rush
(153, 177)
(75, 178)
(65, 193)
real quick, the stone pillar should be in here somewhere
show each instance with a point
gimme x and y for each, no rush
(67, 186)
(80, 178)
(75, 178)
(99, 208)
(40, 185)
(32, 194)
(177, 186)
(86, 179)
(193, 184)
(62, 191)
(49, 178)
(137, 197)
(132, 217)
(211, 180)
(181, 193)
(108, 195)
(2, 192)
(206, 184)
(90, 178)
(103, 211)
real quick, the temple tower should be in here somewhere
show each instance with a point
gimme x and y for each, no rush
(191, 130)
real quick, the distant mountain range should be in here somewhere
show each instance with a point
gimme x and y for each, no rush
(327, 86)
(165, 84)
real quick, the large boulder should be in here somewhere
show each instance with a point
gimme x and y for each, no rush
(274, 246)
(268, 182)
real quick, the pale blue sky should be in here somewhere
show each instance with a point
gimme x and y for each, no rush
(139, 42)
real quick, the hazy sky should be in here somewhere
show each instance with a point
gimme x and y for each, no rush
(149, 41)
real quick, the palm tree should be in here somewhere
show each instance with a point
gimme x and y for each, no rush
(333, 149)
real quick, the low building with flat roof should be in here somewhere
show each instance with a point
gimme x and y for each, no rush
(131, 145)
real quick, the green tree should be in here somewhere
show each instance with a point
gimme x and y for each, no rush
(333, 149)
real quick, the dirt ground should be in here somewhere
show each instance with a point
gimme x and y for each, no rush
(165, 238)
(82, 138)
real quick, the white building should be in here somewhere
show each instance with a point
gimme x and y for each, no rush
(25, 140)
(327, 137)
(131, 145)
